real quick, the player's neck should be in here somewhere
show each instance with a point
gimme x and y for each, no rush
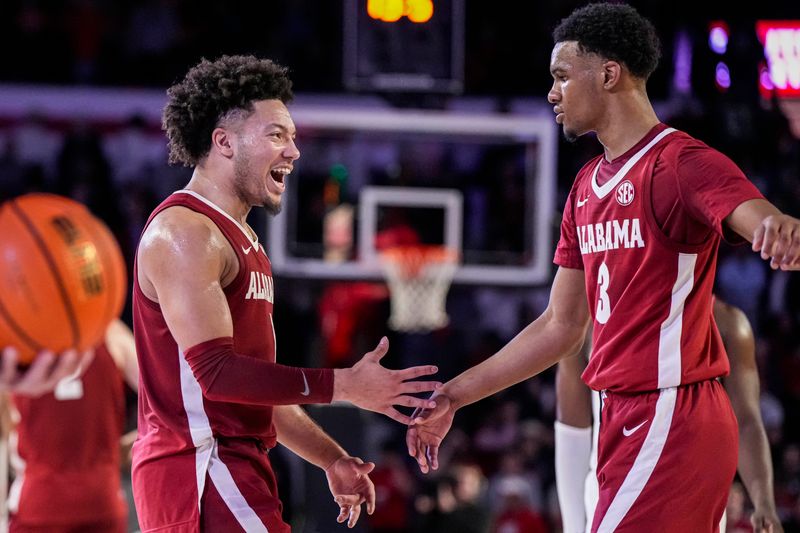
(219, 192)
(629, 120)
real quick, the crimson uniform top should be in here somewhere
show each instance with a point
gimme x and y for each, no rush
(68, 446)
(190, 406)
(645, 228)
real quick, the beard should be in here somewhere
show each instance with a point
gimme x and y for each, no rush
(242, 180)
(569, 135)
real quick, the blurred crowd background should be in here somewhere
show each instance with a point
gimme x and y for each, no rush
(498, 460)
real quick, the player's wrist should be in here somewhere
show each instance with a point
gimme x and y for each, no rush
(342, 378)
(332, 459)
(456, 402)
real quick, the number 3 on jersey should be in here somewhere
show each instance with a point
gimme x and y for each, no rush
(603, 311)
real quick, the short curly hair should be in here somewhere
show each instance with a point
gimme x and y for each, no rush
(209, 92)
(614, 31)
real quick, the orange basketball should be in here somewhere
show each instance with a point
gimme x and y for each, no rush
(62, 276)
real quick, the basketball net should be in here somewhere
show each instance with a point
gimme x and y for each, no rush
(418, 278)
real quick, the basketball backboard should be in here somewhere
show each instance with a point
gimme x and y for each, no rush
(482, 184)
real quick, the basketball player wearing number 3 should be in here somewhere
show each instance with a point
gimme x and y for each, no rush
(637, 254)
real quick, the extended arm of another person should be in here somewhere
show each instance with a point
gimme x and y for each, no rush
(742, 385)
(121, 346)
(557, 333)
(43, 374)
(774, 234)
(185, 259)
(573, 439)
(348, 477)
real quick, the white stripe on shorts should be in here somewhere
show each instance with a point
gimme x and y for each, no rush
(644, 464)
(233, 498)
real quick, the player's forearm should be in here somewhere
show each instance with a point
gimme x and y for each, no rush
(748, 216)
(298, 432)
(755, 464)
(537, 347)
(224, 375)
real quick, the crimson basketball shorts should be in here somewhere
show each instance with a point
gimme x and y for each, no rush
(666, 459)
(239, 492)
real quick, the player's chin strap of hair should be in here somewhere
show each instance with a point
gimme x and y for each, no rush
(227, 376)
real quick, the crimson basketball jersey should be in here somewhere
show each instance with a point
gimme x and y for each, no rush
(177, 424)
(68, 464)
(649, 293)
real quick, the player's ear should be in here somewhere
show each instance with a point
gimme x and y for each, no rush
(612, 71)
(222, 142)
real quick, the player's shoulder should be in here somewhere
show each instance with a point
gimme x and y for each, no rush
(682, 147)
(683, 151)
(180, 231)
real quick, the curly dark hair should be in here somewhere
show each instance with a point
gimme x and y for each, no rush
(210, 91)
(614, 31)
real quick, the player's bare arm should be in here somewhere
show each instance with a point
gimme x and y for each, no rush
(178, 242)
(776, 235)
(348, 477)
(742, 385)
(122, 348)
(184, 262)
(557, 333)
(573, 397)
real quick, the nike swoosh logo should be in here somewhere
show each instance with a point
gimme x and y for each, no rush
(307, 391)
(581, 203)
(246, 250)
(628, 432)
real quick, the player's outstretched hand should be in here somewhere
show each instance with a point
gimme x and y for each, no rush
(351, 486)
(44, 373)
(778, 239)
(427, 430)
(371, 386)
(765, 521)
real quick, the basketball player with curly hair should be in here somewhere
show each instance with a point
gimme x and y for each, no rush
(212, 398)
(637, 257)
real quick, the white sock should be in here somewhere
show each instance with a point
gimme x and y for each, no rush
(573, 450)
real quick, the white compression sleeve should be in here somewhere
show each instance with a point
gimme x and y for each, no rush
(573, 451)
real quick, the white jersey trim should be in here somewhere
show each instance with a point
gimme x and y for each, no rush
(644, 464)
(232, 496)
(669, 342)
(602, 191)
(215, 207)
(199, 426)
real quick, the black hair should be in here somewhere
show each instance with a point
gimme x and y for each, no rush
(212, 89)
(614, 31)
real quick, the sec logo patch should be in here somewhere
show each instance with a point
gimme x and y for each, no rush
(625, 193)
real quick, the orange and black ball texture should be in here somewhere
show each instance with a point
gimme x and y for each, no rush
(62, 275)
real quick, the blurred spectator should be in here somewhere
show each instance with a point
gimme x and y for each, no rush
(512, 467)
(133, 149)
(498, 433)
(447, 511)
(36, 143)
(86, 26)
(515, 513)
(84, 174)
(394, 487)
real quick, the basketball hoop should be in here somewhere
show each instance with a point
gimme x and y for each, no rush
(419, 278)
